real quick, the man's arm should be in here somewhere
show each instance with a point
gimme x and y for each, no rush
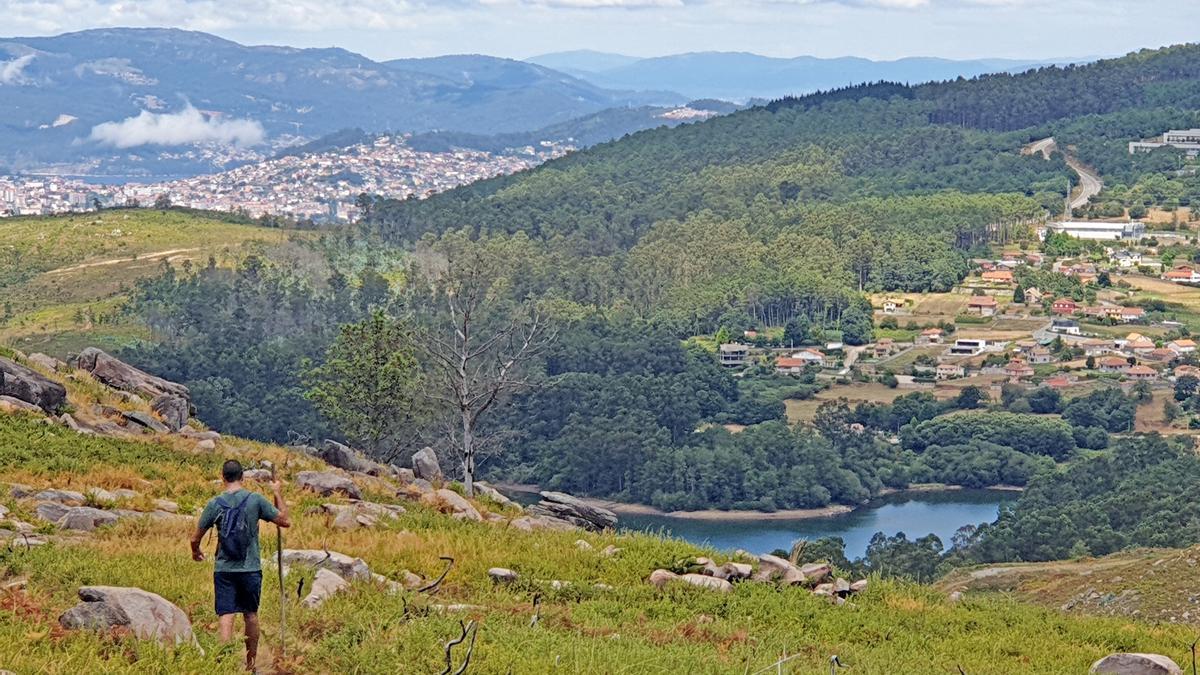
(197, 537)
(202, 527)
(283, 518)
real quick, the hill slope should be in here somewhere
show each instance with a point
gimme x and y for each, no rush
(63, 278)
(623, 625)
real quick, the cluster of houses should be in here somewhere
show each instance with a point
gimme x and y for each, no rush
(1135, 357)
(1101, 312)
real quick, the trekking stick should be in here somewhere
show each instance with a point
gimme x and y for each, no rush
(279, 566)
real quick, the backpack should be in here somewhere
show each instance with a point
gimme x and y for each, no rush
(233, 536)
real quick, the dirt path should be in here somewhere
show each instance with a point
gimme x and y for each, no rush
(156, 255)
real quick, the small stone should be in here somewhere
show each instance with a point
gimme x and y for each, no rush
(583, 545)
(955, 597)
(735, 570)
(858, 586)
(207, 445)
(324, 586)
(610, 551)
(502, 575)
(166, 505)
(660, 578)
(1135, 664)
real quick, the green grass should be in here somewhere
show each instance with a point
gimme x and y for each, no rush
(632, 628)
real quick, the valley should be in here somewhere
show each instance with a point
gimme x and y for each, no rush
(827, 382)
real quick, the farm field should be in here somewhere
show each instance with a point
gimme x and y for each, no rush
(874, 392)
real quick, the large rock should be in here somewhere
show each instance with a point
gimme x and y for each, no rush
(324, 586)
(86, 519)
(17, 405)
(120, 375)
(339, 563)
(60, 496)
(326, 483)
(345, 457)
(455, 503)
(772, 568)
(146, 421)
(30, 386)
(1135, 664)
(483, 489)
(45, 362)
(573, 510)
(175, 411)
(147, 615)
(705, 581)
(425, 465)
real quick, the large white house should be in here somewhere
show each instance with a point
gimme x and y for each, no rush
(1184, 139)
(1089, 229)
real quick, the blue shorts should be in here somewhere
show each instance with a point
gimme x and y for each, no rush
(237, 592)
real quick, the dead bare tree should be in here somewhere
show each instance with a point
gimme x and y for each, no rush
(479, 346)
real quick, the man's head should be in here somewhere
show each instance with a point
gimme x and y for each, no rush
(231, 471)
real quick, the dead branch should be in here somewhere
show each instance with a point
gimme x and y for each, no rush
(451, 644)
(433, 587)
(474, 629)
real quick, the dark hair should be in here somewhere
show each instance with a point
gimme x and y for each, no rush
(231, 471)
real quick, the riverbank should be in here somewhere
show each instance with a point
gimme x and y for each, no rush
(716, 515)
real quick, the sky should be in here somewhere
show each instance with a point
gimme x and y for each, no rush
(879, 29)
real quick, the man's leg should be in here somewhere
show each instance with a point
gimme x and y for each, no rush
(251, 619)
(225, 627)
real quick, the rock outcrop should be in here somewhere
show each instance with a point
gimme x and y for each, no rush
(120, 375)
(1135, 664)
(452, 502)
(30, 386)
(573, 510)
(425, 465)
(175, 411)
(147, 615)
(344, 457)
(327, 483)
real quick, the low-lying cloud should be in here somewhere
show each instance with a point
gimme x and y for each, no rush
(12, 72)
(182, 128)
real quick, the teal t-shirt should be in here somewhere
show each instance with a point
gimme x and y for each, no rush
(257, 508)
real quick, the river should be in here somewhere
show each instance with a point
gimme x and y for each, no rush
(914, 513)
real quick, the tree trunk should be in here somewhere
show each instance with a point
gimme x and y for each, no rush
(468, 456)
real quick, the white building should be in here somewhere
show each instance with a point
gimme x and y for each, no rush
(1088, 229)
(1184, 139)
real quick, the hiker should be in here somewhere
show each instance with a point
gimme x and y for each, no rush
(237, 576)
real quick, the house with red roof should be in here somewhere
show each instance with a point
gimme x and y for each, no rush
(1064, 307)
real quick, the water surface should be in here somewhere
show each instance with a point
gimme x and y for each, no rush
(914, 513)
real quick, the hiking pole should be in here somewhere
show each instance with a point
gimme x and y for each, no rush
(279, 567)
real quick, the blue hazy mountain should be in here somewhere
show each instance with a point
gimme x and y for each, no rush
(55, 90)
(741, 75)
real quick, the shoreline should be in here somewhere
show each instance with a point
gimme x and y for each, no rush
(744, 516)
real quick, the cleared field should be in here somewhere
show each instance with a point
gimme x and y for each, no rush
(943, 304)
(62, 278)
(874, 392)
(1150, 415)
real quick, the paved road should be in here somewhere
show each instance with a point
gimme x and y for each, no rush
(1089, 183)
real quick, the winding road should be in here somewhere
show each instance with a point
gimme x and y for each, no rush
(1089, 181)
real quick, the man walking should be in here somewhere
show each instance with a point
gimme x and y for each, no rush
(237, 577)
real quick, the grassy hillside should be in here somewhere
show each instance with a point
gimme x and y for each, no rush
(61, 277)
(629, 627)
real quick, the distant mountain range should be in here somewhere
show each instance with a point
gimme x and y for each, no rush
(120, 100)
(742, 76)
(162, 103)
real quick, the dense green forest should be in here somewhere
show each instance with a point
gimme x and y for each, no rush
(782, 215)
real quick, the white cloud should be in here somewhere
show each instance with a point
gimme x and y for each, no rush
(11, 72)
(181, 128)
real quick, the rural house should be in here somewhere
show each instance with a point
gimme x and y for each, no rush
(982, 305)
